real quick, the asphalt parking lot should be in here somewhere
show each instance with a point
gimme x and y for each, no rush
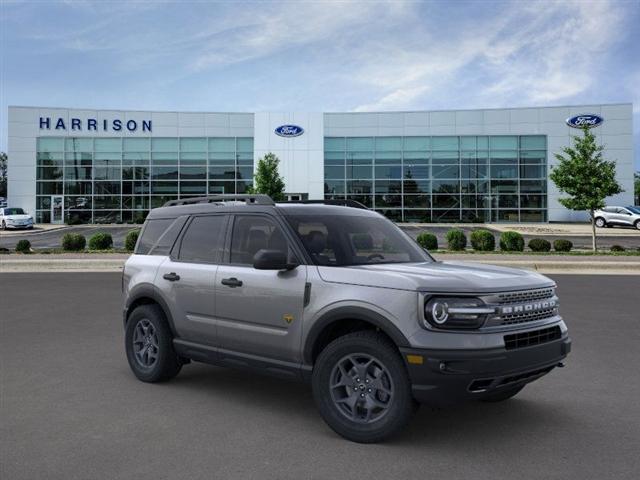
(71, 409)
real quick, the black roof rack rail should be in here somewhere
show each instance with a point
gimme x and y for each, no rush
(338, 202)
(258, 199)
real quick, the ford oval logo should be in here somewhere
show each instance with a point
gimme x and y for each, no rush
(587, 120)
(289, 131)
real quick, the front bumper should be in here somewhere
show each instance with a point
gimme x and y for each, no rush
(449, 376)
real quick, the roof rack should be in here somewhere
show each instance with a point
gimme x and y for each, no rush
(339, 202)
(258, 199)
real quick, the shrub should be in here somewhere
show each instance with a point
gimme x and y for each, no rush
(74, 220)
(562, 245)
(617, 248)
(23, 246)
(483, 240)
(131, 239)
(427, 240)
(100, 241)
(539, 245)
(511, 242)
(73, 242)
(456, 240)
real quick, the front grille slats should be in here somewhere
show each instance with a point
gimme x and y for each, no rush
(535, 337)
(524, 297)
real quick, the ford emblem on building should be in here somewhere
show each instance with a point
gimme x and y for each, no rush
(289, 131)
(587, 120)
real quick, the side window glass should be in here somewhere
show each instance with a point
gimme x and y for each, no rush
(204, 239)
(315, 236)
(151, 233)
(253, 233)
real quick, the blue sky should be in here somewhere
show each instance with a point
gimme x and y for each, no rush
(318, 56)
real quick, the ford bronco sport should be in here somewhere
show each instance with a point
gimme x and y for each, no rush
(337, 296)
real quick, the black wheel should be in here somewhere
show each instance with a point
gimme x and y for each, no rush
(361, 387)
(600, 222)
(4, 225)
(637, 224)
(149, 346)
(502, 395)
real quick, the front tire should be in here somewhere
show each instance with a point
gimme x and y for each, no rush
(600, 222)
(361, 387)
(637, 224)
(4, 226)
(502, 395)
(149, 345)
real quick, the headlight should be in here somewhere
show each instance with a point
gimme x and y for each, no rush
(456, 312)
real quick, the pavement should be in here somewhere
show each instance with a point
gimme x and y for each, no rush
(114, 262)
(50, 236)
(71, 409)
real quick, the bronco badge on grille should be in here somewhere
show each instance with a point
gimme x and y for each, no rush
(526, 307)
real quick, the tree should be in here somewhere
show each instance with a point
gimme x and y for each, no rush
(267, 180)
(585, 177)
(636, 187)
(3, 174)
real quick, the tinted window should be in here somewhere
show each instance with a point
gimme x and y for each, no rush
(345, 240)
(204, 239)
(159, 236)
(253, 233)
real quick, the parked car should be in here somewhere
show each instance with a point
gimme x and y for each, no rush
(3, 202)
(620, 216)
(15, 218)
(336, 296)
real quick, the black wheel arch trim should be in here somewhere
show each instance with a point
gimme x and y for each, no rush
(148, 291)
(351, 313)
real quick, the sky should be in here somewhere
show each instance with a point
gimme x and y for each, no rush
(318, 56)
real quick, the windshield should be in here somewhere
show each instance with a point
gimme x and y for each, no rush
(13, 211)
(345, 240)
(634, 210)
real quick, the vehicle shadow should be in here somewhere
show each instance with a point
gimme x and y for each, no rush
(464, 425)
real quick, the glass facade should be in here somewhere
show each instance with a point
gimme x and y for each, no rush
(500, 178)
(107, 180)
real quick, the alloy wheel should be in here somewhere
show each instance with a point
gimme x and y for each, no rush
(145, 343)
(361, 388)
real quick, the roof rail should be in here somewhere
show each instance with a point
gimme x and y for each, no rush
(344, 202)
(258, 199)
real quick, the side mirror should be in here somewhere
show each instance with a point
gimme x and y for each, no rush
(272, 260)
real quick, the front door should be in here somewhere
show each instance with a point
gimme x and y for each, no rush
(259, 312)
(188, 278)
(57, 209)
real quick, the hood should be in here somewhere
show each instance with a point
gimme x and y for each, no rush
(18, 217)
(460, 277)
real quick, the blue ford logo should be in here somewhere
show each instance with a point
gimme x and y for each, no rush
(289, 131)
(587, 120)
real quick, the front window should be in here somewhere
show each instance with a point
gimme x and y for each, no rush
(635, 210)
(13, 211)
(348, 240)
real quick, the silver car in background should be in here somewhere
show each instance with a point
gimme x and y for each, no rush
(620, 216)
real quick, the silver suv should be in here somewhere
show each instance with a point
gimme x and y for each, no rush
(621, 216)
(336, 296)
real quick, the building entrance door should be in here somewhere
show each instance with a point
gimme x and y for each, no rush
(57, 209)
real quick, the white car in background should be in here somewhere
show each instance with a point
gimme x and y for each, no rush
(15, 218)
(621, 216)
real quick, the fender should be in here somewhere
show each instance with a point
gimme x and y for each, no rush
(147, 290)
(351, 313)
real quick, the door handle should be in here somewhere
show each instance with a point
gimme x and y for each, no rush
(172, 277)
(232, 282)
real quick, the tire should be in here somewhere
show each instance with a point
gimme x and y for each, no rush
(600, 222)
(366, 414)
(502, 395)
(4, 225)
(149, 345)
(637, 224)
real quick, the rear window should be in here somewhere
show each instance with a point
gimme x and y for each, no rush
(159, 235)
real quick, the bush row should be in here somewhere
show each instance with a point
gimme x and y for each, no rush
(484, 241)
(75, 242)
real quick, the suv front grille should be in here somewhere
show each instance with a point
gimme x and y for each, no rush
(535, 297)
(525, 296)
(528, 339)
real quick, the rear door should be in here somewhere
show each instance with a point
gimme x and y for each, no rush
(259, 312)
(187, 277)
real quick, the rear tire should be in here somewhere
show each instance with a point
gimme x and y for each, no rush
(361, 387)
(600, 222)
(637, 224)
(502, 395)
(4, 225)
(149, 345)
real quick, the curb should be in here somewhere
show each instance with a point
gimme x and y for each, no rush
(116, 265)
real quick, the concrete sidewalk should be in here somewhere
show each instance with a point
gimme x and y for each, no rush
(597, 264)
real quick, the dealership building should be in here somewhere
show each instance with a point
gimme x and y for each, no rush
(425, 166)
